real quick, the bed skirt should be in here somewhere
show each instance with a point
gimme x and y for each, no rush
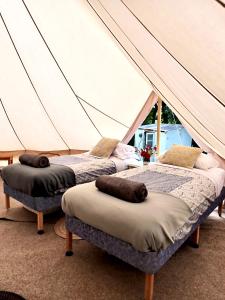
(148, 262)
(41, 204)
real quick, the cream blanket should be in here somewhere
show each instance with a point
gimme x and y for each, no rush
(165, 216)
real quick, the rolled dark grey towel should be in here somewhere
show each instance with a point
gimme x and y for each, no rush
(124, 189)
(36, 161)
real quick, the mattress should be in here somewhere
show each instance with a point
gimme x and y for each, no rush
(177, 197)
(64, 172)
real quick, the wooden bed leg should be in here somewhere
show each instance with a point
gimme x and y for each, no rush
(69, 243)
(195, 238)
(220, 208)
(149, 285)
(7, 201)
(40, 223)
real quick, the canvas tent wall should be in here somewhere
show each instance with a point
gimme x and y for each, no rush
(112, 53)
(179, 47)
(63, 82)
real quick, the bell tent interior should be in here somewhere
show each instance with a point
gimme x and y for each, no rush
(77, 79)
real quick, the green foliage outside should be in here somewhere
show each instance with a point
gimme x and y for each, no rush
(168, 117)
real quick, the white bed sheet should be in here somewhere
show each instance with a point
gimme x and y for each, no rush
(121, 164)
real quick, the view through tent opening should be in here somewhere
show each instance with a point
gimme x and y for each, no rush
(171, 131)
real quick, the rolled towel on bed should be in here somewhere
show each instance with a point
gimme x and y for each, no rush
(36, 161)
(124, 189)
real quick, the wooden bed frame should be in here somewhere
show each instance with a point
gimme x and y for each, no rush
(149, 262)
(40, 214)
(55, 202)
(149, 278)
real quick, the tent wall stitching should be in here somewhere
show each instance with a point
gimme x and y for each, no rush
(31, 82)
(220, 2)
(64, 76)
(118, 40)
(7, 116)
(150, 67)
(102, 112)
(171, 53)
(76, 95)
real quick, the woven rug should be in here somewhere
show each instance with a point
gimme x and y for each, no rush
(4, 295)
(60, 229)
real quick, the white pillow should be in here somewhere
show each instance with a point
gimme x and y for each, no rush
(206, 161)
(124, 151)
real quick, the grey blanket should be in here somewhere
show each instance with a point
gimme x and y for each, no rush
(38, 182)
(176, 198)
(63, 172)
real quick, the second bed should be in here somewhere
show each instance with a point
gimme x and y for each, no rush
(146, 234)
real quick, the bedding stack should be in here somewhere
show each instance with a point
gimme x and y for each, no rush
(123, 151)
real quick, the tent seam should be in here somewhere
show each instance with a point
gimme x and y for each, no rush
(220, 2)
(150, 67)
(31, 82)
(199, 82)
(102, 112)
(7, 116)
(64, 76)
(77, 96)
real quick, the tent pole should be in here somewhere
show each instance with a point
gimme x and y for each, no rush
(151, 101)
(159, 115)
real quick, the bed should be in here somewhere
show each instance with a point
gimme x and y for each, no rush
(40, 189)
(146, 234)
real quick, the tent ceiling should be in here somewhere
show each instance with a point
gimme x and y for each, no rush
(73, 71)
(64, 82)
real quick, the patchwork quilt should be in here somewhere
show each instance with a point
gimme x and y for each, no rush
(196, 190)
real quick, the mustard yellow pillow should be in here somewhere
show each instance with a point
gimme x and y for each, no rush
(181, 156)
(104, 148)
